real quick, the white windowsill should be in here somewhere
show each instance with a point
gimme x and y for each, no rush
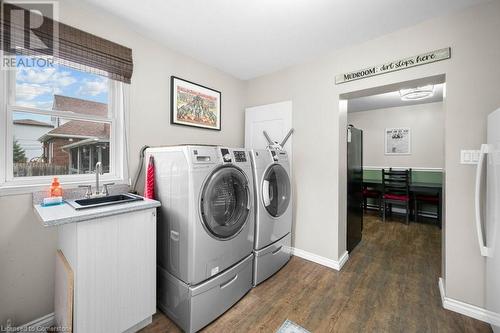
(15, 188)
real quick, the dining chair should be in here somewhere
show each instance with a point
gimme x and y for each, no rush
(396, 191)
(412, 196)
(430, 199)
(371, 193)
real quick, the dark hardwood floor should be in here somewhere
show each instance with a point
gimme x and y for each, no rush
(389, 284)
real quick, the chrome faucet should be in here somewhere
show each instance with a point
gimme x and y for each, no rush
(88, 193)
(99, 171)
(98, 192)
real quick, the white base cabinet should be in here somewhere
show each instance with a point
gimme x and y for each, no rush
(114, 263)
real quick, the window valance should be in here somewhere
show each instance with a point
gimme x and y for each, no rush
(66, 44)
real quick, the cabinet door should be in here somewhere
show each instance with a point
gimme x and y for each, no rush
(115, 282)
(96, 305)
(137, 268)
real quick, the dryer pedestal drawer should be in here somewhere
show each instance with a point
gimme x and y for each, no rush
(194, 307)
(270, 259)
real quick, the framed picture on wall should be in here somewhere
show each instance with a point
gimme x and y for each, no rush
(398, 141)
(194, 105)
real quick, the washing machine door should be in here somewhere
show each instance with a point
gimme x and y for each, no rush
(225, 202)
(276, 190)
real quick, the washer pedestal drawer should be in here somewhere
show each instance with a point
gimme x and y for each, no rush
(194, 307)
(270, 259)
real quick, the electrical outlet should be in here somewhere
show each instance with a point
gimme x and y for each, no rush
(469, 156)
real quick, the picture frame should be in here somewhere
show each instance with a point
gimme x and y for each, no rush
(194, 105)
(397, 141)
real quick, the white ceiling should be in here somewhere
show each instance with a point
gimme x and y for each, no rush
(250, 38)
(390, 100)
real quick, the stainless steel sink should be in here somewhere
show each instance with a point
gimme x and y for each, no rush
(103, 201)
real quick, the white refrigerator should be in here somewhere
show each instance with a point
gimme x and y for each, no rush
(488, 223)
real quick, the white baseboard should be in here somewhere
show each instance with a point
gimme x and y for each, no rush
(38, 325)
(337, 265)
(343, 260)
(47, 321)
(466, 309)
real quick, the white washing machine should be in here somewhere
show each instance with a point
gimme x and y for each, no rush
(205, 231)
(273, 212)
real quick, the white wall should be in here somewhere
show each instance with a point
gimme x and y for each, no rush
(426, 122)
(27, 251)
(472, 85)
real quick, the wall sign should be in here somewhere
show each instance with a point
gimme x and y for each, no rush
(397, 141)
(421, 59)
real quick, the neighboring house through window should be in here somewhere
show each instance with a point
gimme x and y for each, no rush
(61, 123)
(77, 144)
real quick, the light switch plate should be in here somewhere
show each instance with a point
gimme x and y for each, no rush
(469, 156)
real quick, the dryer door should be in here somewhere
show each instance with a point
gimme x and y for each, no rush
(225, 202)
(276, 190)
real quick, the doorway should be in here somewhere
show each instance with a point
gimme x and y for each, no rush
(394, 170)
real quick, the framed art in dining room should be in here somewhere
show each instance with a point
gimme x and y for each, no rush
(194, 105)
(398, 141)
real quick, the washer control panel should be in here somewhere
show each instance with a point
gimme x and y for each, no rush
(232, 155)
(203, 155)
(226, 157)
(240, 156)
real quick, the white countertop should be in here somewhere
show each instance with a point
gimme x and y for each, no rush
(62, 214)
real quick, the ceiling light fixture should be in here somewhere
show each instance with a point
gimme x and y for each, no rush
(415, 94)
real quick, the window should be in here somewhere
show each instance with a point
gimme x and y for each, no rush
(59, 121)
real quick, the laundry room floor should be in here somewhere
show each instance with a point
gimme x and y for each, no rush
(389, 284)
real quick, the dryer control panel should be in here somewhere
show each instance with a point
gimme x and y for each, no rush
(279, 155)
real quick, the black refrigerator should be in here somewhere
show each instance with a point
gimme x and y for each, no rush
(354, 186)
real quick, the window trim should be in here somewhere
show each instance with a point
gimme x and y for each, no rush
(12, 185)
(3, 122)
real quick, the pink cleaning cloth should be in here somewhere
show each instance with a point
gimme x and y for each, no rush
(149, 184)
